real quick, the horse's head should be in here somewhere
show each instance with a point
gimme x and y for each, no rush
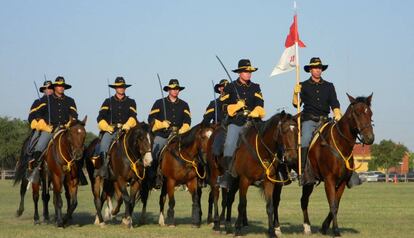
(197, 139)
(76, 137)
(143, 142)
(360, 115)
(203, 136)
(286, 135)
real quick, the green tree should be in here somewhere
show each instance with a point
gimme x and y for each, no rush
(387, 154)
(13, 132)
(89, 138)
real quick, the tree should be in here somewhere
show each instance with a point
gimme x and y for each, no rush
(89, 138)
(12, 134)
(387, 154)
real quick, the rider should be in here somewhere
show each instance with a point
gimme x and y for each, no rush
(318, 96)
(175, 118)
(242, 99)
(61, 108)
(117, 112)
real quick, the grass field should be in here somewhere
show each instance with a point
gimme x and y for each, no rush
(370, 210)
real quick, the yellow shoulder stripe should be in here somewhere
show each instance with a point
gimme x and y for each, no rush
(209, 110)
(133, 109)
(73, 108)
(154, 111)
(224, 97)
(104, 108)
(188, 112)
(38, 107)
(259, 95)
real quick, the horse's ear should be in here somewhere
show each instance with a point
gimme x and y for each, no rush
(351, 99)
(283, 113)
(85, 119)
(369, 98)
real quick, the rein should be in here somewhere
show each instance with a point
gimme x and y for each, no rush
(191, 162)
(132, 163)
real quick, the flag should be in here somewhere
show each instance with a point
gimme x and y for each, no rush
(288, 60)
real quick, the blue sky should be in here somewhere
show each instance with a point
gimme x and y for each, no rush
(367, 44)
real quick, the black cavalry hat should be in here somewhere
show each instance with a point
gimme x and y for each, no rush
(173, 84)
(245, 66)
(60, 81)
(315, 62)
(119, 83)
(46, 84)
(222, 83)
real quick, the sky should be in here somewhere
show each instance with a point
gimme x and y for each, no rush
(368, 46)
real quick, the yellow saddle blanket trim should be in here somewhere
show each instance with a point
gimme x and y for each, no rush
(316, 135)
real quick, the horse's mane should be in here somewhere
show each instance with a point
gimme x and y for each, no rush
(188, 138)
(363, 100)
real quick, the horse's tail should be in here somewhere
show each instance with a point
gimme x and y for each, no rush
(22, 164)
(144, 191)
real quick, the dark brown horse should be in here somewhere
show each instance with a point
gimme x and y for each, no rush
(129, 158)
(180, 165)
(65, 149)
(328, 157)
(216, 168)
(20, 177)
(261, 151)
(331, 157)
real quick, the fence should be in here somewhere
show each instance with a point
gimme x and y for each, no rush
(7, 174)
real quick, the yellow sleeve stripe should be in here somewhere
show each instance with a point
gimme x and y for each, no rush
(258, 95)
(133, 109)
(38, 107)
(209, 110)
(73, 108)
(224, 97)
(104, 108)
(188, 112)
(154, 111)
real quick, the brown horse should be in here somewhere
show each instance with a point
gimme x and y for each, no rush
(331, 157)
(129, 158)
(20, 176)
(257, 158)
(216, 168)
(61, 156)
(180, 165)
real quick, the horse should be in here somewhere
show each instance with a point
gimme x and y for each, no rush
(215, 168)
(261, 150)
(179, 165)
(65, 149)
(128, 159)
(20, 177)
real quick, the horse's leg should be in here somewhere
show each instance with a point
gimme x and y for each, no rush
(171, 202)
(134, 188)
(144, 199)
(57, 200)
(45, 198)
(243, 186)
(338, 195)
(127, 220)
(98, 201)
(67, 196)
(23, 188)
(215, 191)
(222, 219)
(195, 209)
(162, 203)
(118, 197)
(331, 196)
(304, 202)
(210, 207)
(72, 186)
(35, 195)
(234, 186)
(277, 191)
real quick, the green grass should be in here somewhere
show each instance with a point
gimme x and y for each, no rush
(370, 210)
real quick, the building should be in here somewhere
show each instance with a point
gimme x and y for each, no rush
(362, 156)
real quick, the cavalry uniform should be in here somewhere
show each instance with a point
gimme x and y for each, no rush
(115, 113)
(213, 110)
(318, 98)
(240, 100)
(61, 109)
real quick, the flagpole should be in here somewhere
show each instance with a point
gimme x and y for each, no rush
(298, 95)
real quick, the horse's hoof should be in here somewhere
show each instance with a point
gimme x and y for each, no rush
(59, 224)
(278, 232)
(102, 225)
(19, 213)
(322, 231)
(171, 225)
(337, 233)
(127, 222)
(195, 226)
(161, 221)
(36, 222)
(307, 229)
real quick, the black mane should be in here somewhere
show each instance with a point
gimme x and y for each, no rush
(363, 100)
(188, 138)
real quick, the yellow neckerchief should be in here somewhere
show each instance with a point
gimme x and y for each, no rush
(346, 159)
(267, 168)
(133, 164)
(192, 162)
